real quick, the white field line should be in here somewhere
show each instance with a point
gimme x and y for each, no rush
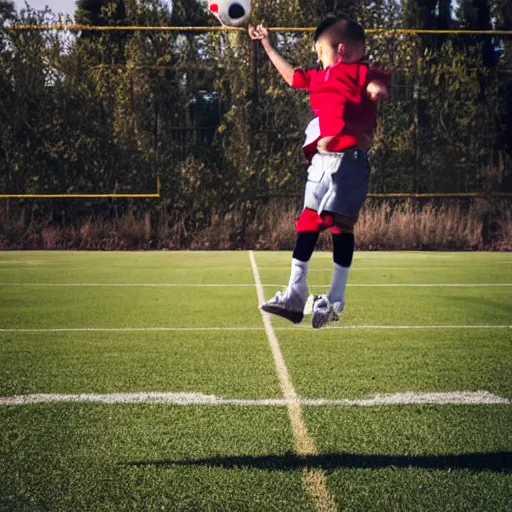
(405, 255)
(148, 285)
(243, 329)
(378, 267)
(423, 285)
(314, 480)
(250, 285)
(188, 399)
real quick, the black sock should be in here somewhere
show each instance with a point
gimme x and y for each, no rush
(343, 249)
(305, 245)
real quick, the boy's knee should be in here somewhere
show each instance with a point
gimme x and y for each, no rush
(337, 223)
(309, 220)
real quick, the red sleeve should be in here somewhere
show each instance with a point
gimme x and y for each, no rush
(379, 76)
(302, 78)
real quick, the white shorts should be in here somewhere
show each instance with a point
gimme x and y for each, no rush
(337, 182)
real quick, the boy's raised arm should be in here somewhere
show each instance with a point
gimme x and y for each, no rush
(284, 68)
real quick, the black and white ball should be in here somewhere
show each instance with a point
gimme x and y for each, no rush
(232, 13)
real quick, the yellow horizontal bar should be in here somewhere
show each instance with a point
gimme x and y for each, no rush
(447, 32)
(76, 196)
(432, 196)
(163, 28)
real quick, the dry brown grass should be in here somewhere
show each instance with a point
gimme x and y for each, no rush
(406, 227)
(381, 226)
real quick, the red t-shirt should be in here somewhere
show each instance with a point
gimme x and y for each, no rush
(338, 98)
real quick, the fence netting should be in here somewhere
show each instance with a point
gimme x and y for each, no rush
(206, 114)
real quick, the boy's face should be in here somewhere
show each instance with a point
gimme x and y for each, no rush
(325, 52)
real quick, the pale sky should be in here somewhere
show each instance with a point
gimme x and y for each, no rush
(57, 6)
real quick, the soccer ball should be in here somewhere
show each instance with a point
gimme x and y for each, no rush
(232, 13)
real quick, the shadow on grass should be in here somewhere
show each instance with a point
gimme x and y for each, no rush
(499, 462)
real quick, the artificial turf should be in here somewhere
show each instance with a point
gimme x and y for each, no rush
(85, 456)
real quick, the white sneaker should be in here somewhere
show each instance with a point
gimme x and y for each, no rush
(290, 306)
(325, 311)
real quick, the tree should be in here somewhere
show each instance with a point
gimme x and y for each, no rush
(314, 12)
(99, 13)
(109, 13)
(502, 13)
(6, 14)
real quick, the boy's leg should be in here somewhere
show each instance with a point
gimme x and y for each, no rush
(342, 253)
(339, 210)
(326, 308)
(304, 247)
(290, 303)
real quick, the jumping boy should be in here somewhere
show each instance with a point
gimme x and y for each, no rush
(343, 96)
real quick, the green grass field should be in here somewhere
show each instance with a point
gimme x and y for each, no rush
(82, 335)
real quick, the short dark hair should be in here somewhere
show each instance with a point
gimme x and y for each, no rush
(354, 32)
(327, 22)
(349, 30)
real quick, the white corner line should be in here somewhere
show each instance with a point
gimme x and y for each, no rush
(194, 399)
(138, 285)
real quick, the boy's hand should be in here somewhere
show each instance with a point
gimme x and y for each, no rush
(259, 33)
(377, 91)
